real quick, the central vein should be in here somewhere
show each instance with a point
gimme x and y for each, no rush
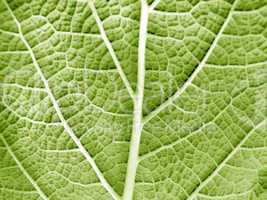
(137, 118)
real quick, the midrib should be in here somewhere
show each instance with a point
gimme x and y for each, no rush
(138, 120)
(138, 104)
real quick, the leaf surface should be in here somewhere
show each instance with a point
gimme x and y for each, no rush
(133, 100)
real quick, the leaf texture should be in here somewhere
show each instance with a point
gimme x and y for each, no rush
(133, 100)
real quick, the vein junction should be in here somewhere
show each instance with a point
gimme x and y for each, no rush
(67, 128)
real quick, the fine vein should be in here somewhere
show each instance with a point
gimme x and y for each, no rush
(194, 74)
(222, 164)
(111, 50)
(34, 184)
(137, 121)
(60, 115)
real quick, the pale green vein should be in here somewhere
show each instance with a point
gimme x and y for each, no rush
(202, 127)
(154, 4)
(194, 74)
(226, 196)
(222, 164)
(138, 105)
(68, 129)
(16, 85)
(30, 120)
(23, 170)
(111, 50)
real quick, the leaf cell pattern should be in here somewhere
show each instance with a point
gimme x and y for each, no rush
(133, 100)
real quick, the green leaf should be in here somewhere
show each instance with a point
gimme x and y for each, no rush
(133, 100)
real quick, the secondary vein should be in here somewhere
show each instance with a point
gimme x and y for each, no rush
(194, 74)
(23, 170)
(220, 166)
(111, 50)
(60, 115)
(154, 4)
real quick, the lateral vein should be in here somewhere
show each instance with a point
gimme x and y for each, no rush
(60, 115)
(111, 50)
(220, 166)
(194, 74)
(23, 170)
(154, 5)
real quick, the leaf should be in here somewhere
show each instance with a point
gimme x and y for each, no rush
(133, 100)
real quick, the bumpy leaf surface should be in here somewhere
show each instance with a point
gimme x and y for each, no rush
(133, 100)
